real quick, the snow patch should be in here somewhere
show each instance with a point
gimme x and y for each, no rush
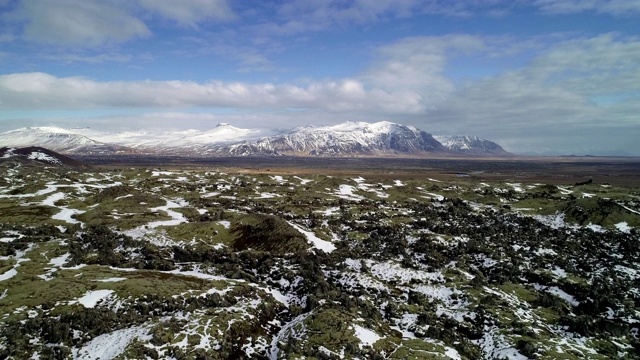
(40, 156)
(113, 279)
(318, 243)
(66, 214)
(92, 298)
(366, 336)
(111, 345)
(623, 227)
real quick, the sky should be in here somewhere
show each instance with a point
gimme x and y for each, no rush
(546, 77)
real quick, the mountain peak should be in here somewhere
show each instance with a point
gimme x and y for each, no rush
(223, 124)
(470, 145)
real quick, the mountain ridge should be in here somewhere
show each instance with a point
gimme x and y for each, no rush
(382, 138)
(470, 144)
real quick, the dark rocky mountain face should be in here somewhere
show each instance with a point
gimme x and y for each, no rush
(35, 154)
(347, 139)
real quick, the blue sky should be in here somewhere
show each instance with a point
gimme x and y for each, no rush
(537, 76)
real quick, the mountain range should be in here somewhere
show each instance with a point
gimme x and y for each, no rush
(346, 139)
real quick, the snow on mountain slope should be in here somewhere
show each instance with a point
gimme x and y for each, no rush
(82, 140)
(49, 137)
(470, 145)
(350, 138)
(347, 139)
(187, 141)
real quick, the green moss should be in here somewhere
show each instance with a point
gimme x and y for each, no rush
(330, 328)
(206, 232)
(417, 349)
(550, 316)
(595, 210)
(15, 213)
(523, 293)
(267, 233)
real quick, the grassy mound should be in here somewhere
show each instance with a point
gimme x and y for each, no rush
(266, 233)
(599, 211)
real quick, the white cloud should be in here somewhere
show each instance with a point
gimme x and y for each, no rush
(612, 7)
(299, 16)
(419, 63)
(190, 12)
(584, 91)
(89, 59)
(97, 22)
(44, 91)
(78, 22)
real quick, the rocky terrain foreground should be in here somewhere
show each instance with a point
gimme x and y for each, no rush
(149, 264)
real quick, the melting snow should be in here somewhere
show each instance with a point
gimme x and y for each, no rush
(91, 298)
(176, 217)
(329, 211)
(544, 251)
(267, 195)
(290, 329)
(60, 260)
(318, 243)
(37, 155)
(113, 279)
(623, 227)
(517, 187)
(629, 209)
(111, 345)
(66, 215)
(366, 336)
(303, 181)
(346, 192)
(9, 274)
(50, 201)
(435, 196)
(19, 257)
(389, 271)
(595, 228)
(564, 191)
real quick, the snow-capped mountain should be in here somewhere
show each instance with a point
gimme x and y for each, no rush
(470, 145)
(350, 138)
(36, 154)
(186, 142)
(69, 141)
(347, 139)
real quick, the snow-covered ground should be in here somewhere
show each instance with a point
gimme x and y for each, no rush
(91, 298)
(366, 336)
(347, 192)
(111, 345)
(318, 243)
